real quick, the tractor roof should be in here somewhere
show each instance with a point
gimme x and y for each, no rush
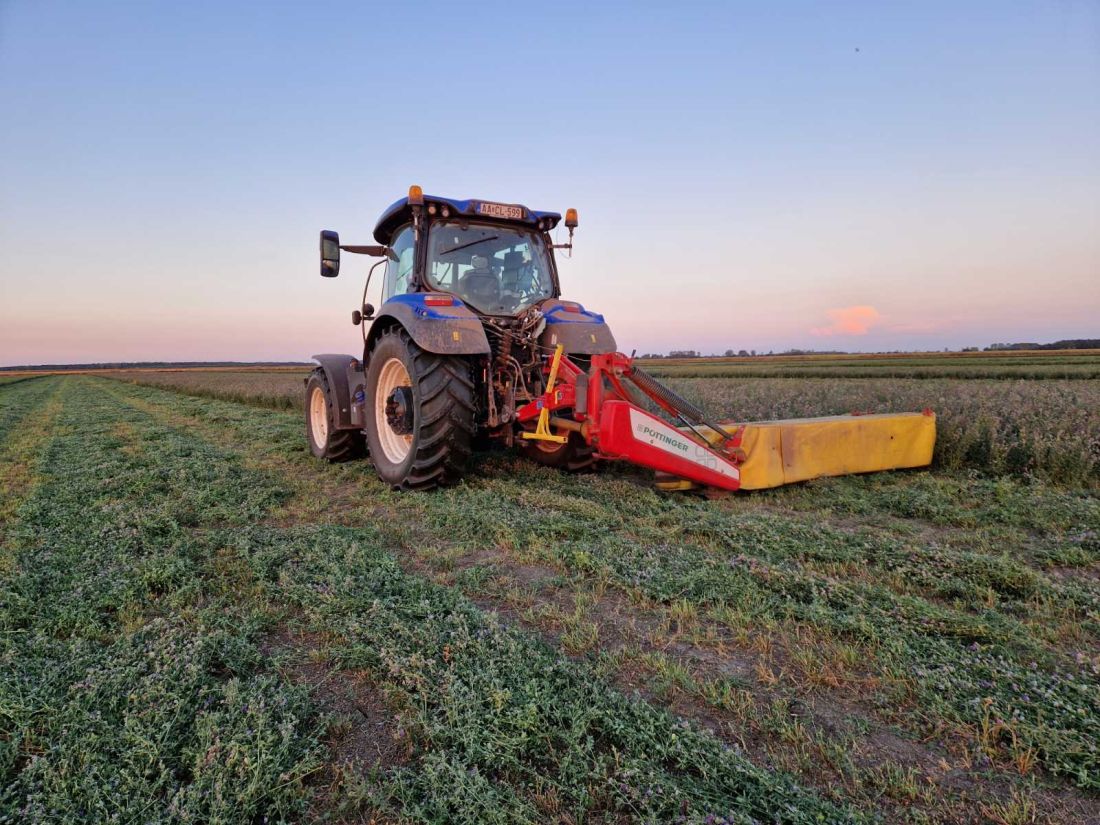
(399, 212)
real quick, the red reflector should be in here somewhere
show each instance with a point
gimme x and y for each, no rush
(572, 307)
(438, 300)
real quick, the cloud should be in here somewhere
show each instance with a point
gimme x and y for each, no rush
(855, 320)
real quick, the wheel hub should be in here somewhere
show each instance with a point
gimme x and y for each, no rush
(399, 410)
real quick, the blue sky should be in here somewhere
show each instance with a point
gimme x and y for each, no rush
(747, 176)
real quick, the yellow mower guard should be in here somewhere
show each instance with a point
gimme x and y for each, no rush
(798, 449)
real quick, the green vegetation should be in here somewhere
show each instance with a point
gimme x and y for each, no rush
(880, 626)
(131, 687)
(14, 379)
(1043, 429)
(19, 401)
(275, 389)
(531, 646)
(1047, 429)
(138, 590)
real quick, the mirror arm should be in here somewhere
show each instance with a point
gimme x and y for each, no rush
(568, 246)
(373, 251)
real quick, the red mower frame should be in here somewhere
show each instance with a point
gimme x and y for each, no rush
(604, 412)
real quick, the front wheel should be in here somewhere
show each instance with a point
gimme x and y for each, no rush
(325, 441)
(420, 420)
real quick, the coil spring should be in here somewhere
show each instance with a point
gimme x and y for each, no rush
(658, 390)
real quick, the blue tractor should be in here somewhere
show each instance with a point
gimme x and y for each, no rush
(471, 307)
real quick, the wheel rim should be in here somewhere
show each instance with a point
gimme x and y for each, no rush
(318, 416)
(395, 446)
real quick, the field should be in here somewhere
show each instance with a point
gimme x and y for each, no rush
(1037, 364)
(199, 622)
(1027, 427)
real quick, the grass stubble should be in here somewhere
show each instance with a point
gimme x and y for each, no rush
(864, 616)
(146, 585)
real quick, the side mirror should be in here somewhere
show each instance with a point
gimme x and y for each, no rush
(330, 254)
(356, 318)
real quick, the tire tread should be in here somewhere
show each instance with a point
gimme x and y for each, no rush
(446, 420)
(343, 445)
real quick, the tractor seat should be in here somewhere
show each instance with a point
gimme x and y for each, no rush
(479, 285)
(511, 271)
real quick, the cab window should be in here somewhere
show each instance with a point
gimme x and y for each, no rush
(399, 271)
(497, 269)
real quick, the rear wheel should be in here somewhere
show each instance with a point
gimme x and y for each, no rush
(325, 441)
(420, 419)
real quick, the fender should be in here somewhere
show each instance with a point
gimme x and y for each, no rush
(444, 330)
(344, 374)
(579, 330)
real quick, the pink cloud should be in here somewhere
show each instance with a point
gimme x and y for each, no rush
(855, 320)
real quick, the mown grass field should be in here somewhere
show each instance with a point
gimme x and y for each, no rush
(199, 622)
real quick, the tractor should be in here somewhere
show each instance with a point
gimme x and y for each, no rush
(473, 345)
(471, 304)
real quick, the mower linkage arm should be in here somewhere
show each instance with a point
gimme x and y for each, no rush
(617, 428)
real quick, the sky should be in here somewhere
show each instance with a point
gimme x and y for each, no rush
(855, 176)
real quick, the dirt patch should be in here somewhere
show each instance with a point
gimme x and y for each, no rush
(368, 733)
(365, 735)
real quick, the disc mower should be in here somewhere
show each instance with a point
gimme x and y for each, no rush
(473, 343)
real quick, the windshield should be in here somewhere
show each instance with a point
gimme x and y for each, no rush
(498, 270)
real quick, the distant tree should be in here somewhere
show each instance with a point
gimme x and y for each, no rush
(729, 353)
(1074, 343)
(1066, 343)
(744, 353)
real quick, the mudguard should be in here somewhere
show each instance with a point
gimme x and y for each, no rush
(580, 331)
(344, 374)
(445, 330)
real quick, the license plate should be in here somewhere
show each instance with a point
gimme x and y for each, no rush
(501, 210)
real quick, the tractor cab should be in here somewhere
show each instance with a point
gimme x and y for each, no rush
(496, 258)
